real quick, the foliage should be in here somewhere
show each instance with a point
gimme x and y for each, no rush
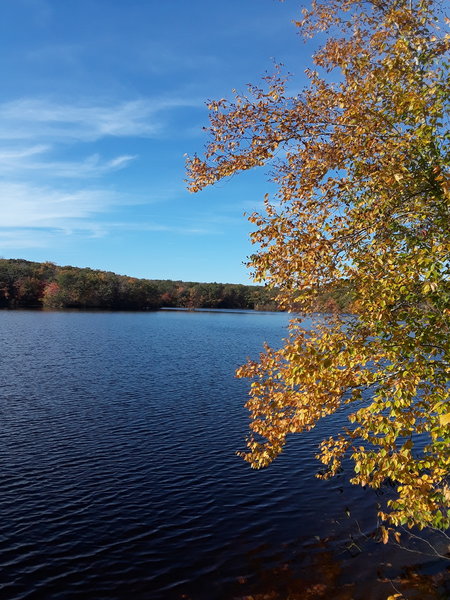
(30, 284)
(361, 161)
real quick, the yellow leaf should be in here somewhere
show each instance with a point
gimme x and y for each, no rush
(444, 419)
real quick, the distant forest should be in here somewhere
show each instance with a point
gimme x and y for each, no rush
(26, 284)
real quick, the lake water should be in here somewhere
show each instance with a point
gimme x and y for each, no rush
(119, 477)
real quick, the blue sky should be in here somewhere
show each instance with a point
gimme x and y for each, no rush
(100, 102)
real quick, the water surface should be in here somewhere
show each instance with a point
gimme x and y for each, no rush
(119, 477)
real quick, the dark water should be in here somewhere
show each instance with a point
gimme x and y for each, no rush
(119, 477)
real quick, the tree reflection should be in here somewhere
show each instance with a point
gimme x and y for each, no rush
(328, 569)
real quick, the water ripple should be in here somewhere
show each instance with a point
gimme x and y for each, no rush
(119, 476)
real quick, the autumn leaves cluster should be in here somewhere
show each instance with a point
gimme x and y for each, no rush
(361, 164)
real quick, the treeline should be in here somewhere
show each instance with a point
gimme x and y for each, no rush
(25, 284)
(31, 284)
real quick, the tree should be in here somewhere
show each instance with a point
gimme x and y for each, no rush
(361, 161)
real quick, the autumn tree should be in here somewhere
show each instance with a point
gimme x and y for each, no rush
(361, 163)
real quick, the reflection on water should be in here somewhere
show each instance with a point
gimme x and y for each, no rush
(120, 480)
(355, 567)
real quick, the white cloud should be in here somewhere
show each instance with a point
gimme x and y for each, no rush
(29, 206)
(30, 119)
(33, 215)
(34, 160)
(9, 156)
(41, 195)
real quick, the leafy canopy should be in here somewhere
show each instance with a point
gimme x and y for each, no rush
(361, 164)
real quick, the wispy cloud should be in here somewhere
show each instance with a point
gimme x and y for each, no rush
(25, 205)
(35, 160)
(42, 190)
(30, 212)
(31, 118)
